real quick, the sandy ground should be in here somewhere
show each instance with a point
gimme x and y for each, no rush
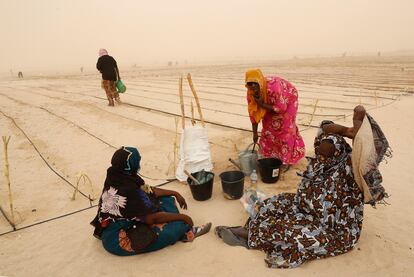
(67, 119)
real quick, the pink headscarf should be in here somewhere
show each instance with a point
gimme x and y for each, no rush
(102, 52)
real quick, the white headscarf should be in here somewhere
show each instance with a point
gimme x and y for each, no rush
(102, 52)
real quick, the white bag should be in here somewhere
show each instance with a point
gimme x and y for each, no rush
(194, 152)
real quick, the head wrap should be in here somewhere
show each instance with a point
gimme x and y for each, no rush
(126, 160)
(370, 147)
(102, 52)
(256, 76)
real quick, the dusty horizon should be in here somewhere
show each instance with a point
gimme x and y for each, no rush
(59, 35)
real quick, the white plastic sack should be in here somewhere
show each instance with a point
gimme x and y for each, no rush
(194, 152)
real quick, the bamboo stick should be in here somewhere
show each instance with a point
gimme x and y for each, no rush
(175, 143)
(180, 90)
(6, 141)
(193, 122)
(313, 113)
(190, 82)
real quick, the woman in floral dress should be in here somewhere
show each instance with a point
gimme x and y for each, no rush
(274, 101)
(324, 217)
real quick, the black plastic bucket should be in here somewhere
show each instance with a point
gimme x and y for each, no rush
(269, 169)
(232, 183)
(203, 191)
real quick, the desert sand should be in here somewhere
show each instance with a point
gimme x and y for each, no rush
(67, 118)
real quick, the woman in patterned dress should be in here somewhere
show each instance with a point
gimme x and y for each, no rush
(324, 217)
(134, 218)
(274, 101)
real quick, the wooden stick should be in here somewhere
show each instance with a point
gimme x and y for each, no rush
(313, 113)
(85, 178)
(175, 144)
(191, 177)
(234, 163)
(76, 188)
(193, 122)
(180, 90)
(190, 82)
(7, 175)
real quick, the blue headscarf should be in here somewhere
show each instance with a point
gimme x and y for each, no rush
(133, 160)
(127, 160)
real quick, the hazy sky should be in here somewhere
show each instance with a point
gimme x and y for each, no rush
(58, 34)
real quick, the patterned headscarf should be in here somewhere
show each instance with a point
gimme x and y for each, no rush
(102, 52)
(370, 147)
(328, 165)
(256, 76)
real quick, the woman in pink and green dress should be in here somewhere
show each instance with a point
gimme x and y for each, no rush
(274, 102)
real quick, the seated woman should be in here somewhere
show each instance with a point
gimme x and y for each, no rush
(134, 218)
(324, 217)
(274, 101)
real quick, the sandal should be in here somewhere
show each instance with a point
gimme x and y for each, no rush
(202, 230)
(232, 239)
(229, 237)
(219, 229)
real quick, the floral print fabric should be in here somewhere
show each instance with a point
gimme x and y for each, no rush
(324, 218)
(280, 136)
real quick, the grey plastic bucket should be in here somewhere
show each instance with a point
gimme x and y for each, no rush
(248, 160)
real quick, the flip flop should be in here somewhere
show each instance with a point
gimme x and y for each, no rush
(219, 229)
(202, 230)
(232, 239)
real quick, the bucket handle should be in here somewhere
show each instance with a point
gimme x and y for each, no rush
(254, 145)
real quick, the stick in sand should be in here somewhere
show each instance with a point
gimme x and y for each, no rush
(175, 143)
(190, 82)
(191, 177)
(313, 113)
(180, 91)
(7, 175)
(85, 179)
(193, 122)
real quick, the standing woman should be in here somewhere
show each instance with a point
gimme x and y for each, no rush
(110, 74)
(274, 101)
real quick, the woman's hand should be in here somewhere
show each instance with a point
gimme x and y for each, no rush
(258, 98)
(187, 220)
(180, 200)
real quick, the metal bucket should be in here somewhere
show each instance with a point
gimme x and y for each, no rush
(248, 160)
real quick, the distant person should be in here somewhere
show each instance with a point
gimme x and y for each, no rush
(274, 101)
(110, 74)
(20, 74)
(135, 218)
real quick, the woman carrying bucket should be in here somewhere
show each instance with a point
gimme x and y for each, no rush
(274, 101)
(110, 75)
